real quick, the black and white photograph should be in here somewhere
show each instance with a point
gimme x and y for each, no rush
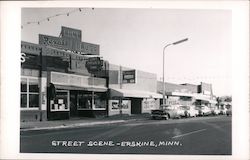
(122, 80)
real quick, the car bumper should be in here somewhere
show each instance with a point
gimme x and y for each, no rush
(156, 116)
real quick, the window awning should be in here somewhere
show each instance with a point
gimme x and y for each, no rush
(84, 88)
(133, 93)
(203, 97)
(179, 94)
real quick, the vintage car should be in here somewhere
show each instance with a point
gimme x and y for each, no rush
(190, 111)
(223, 111)
(215, 111)
(203, 110)
(166, 112)
(229, 111)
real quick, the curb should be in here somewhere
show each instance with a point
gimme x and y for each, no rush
(72, 125)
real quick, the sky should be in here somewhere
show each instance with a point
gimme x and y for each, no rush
(136, 37)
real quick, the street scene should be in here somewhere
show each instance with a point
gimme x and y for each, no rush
(193, 136)
(126, 81)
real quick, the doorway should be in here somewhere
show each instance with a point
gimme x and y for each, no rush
(136, 105)
(73, 104)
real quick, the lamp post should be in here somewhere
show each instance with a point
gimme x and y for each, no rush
(163, 79)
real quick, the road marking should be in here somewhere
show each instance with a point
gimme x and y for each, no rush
(181, 135)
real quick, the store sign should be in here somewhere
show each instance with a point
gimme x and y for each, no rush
(60, 43)
(128, 76)
(114, 104)
(23, 55)
(30, 61)
(89, 48)
(94, 64)
(69, 44)
(149, 104)
(125, 104)
(71, 33)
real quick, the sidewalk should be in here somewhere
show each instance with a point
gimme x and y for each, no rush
(80, 122)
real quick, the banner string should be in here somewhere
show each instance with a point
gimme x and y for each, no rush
(38, 22)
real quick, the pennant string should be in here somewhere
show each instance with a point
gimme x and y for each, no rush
(51, 17)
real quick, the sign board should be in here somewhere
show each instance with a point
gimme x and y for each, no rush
(89, 48)
(59, 43)
(69, 44)
(71, 33)
(128, 76)
(30, 61)
(94, 64)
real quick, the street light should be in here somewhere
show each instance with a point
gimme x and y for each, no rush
(177, 42)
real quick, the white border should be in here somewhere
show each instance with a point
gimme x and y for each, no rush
(10, 71)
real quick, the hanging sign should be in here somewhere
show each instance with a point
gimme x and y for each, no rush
(94, 64)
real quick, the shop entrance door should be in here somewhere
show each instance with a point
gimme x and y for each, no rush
(73, 104)
(136, 105)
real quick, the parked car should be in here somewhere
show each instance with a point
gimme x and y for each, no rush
(204, 110)
(191, 111)
(223, 111)
(181, 111)
(215, 111)
(229, 111)
(166, 113)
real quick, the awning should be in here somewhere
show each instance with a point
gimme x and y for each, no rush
(179, 94)
(133, 93)
(84, 88)
(202, 97)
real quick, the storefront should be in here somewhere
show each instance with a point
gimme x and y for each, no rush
(124, 101)
(77, 96)
(179, 98)
(33, 84)
(62, 77)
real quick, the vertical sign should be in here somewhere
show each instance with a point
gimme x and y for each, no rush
(71, 33)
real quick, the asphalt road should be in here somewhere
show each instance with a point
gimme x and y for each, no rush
(192, 136)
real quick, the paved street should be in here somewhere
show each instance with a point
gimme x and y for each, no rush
(192, 136)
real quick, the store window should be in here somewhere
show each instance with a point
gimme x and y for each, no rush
(85, 100)
(29, 93)
(100, 101)
(60, 103)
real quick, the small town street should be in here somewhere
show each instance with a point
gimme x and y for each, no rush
(192, 136)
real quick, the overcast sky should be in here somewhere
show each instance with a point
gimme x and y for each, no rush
(135, 38)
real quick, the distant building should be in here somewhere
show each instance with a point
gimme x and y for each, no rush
(188, 94)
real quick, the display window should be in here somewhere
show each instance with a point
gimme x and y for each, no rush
(84, 100)
(91, 100)
(29, 93)
(125, 105)
(61, 101)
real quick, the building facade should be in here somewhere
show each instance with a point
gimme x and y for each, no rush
(132, 91)
(188, 94)
(63, 77)
(57, 83)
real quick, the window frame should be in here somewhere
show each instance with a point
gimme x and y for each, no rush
(27, 93)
